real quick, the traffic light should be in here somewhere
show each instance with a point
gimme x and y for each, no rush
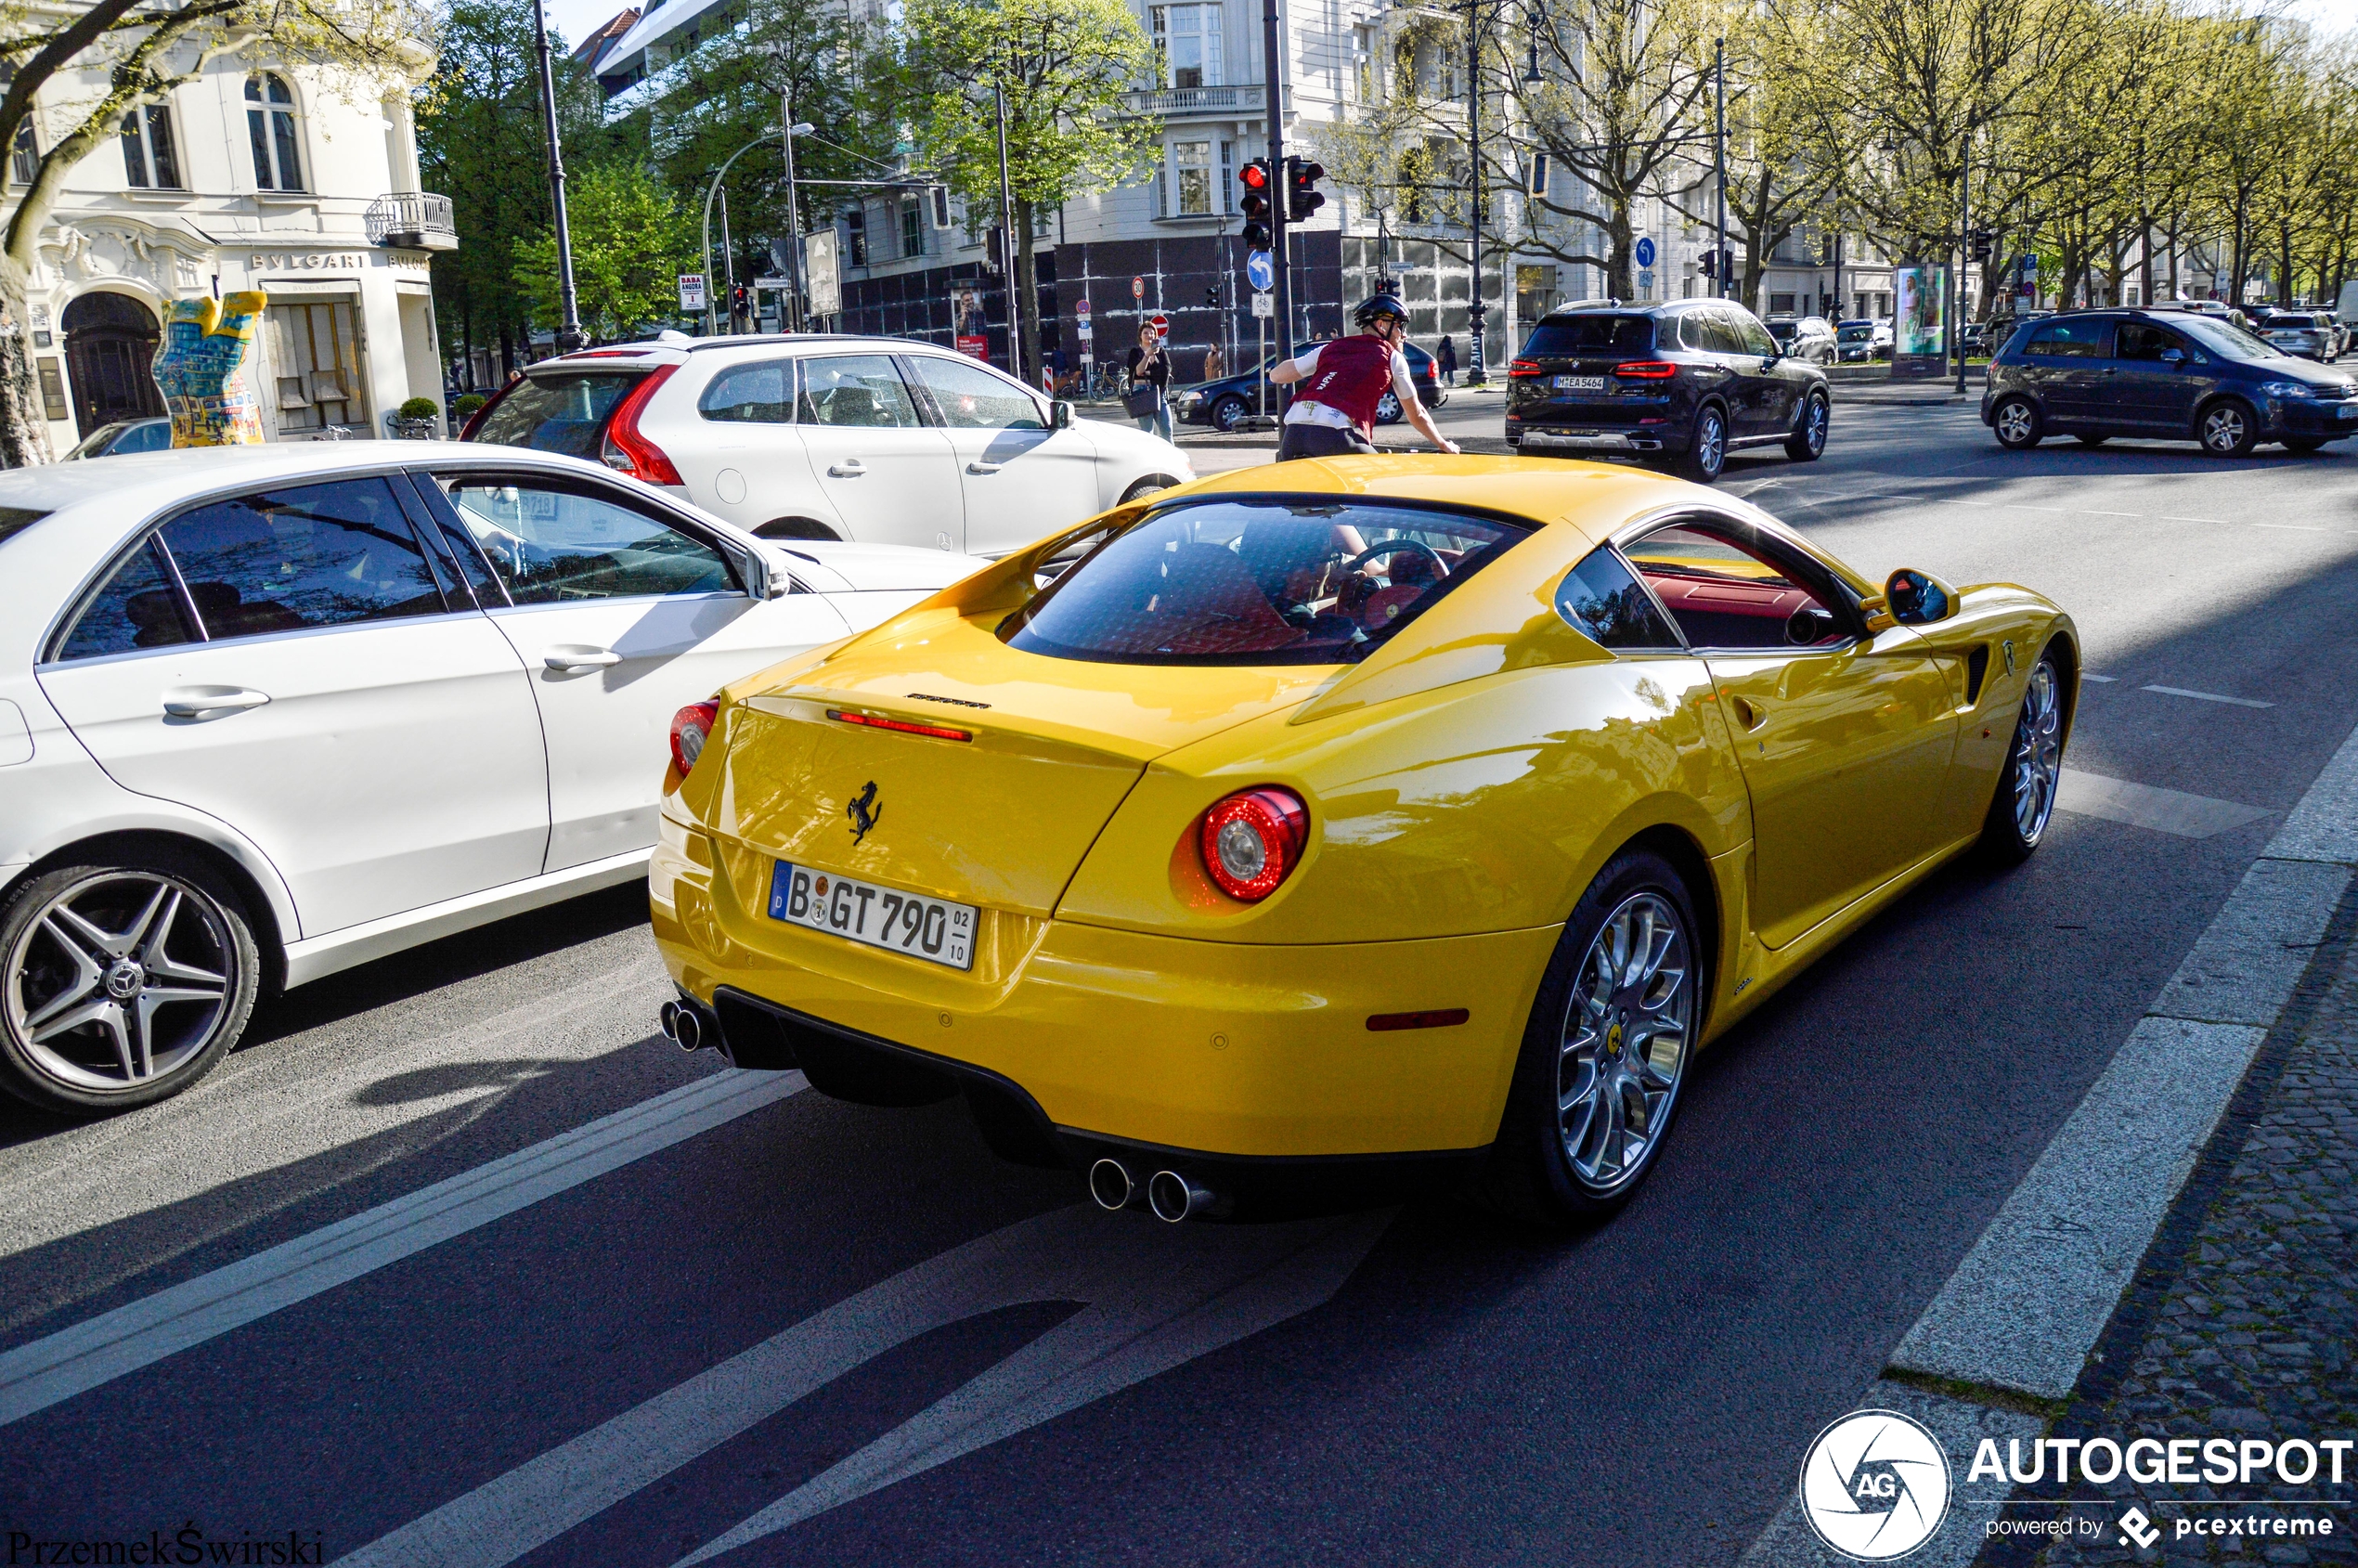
(1709, 264)
(1211, 297)
(1255, 203)
(1978, 244)
(1302, 195)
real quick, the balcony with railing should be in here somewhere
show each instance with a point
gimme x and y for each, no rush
(412, 220)
(1183, 102)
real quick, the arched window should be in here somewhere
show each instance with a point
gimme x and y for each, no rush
(271, 122)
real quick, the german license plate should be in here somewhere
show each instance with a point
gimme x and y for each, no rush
(1580, 383)
(934, 930)
(2347, 412)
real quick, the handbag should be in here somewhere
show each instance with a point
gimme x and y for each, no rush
(1143, 400)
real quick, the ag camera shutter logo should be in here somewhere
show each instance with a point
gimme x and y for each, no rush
(1874, 1485)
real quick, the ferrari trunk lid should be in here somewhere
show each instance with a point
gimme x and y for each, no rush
(938, 760)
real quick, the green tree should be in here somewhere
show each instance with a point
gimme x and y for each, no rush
(130, 53)
(1064, 66)
(631, 239)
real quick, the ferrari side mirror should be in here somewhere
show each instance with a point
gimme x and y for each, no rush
(1914, 598)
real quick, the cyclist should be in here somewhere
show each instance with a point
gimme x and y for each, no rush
(1335, 413)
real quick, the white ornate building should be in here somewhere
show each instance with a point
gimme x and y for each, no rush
(246, 178)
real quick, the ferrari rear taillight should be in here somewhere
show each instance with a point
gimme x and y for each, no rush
(690, 727)
(1647, 370)
(628, 451)
(1253, 840)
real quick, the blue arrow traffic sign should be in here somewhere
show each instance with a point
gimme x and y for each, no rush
(1258, 272)
(1645, 252)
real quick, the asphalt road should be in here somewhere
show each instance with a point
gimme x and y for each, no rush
(817, 1333)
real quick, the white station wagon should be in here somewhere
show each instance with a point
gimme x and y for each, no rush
(882, 440)
(268, 712)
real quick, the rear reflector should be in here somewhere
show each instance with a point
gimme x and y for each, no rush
(1439, 1017)
(1647, 370)
(869, 721)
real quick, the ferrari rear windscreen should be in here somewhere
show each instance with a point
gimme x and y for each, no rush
(1258, 579)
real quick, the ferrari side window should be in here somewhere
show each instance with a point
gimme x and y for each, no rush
(1600, 598)
(1726, 591)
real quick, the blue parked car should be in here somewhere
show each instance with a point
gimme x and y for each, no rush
(1221, 403)
(123, 436)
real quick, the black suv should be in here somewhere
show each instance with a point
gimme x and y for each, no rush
(1684, 382)
(2166, 375)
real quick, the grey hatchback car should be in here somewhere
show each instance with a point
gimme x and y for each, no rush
(2162, 375)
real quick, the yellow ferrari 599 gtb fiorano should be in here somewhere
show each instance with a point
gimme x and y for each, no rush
(1329, 822)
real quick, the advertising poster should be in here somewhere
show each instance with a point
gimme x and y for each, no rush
(969, 327)
(1918, 321)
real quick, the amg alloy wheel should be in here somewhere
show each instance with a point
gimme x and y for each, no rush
(2033, 769)
(122, 985)
(1604, 1051)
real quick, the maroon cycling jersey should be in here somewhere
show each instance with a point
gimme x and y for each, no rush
(1352, 375)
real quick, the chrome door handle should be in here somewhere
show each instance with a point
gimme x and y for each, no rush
(978, 466)
(851, 468)
(574, 659)
(195, 702)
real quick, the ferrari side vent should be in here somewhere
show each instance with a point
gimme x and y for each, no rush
(1977, 665)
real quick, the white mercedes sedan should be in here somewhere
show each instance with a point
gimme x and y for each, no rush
(268, 712)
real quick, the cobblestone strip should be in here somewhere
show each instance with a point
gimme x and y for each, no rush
(2243, 1320)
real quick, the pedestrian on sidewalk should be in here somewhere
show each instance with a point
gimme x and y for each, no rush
(1214, 363)
(1149, 399)
(1448, 359)
(1345, 380)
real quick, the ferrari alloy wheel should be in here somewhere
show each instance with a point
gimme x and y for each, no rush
(1625, 1043)
(1807, 442)
(1605, 1050)
(2227, 430)
(2033, 769)
(1709, 454)
(122, 984)
(2017, 423)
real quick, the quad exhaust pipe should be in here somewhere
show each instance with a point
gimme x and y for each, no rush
(682, 1026)
(1171, 1197)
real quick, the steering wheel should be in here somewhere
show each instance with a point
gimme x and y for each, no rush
(1390, 547)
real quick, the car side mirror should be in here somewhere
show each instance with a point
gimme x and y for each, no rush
(1060, 415)
(2173, 356)
(1914, 598)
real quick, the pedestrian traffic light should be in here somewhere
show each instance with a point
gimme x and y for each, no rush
(1255, 203)
(1978, 244)
(1211, 297)
(1303, 196)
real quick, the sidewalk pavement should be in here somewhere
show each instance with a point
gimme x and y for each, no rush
(2243, 1320)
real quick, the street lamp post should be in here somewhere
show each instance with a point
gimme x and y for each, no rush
(1719, 164)
(569, 334)
(713, 190)
(1475, 310)
(794, 208)
(1007, 237)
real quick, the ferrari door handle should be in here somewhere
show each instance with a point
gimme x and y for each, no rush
(978, 466)
(573, 660)
(195, 702)
(1749, 713)
(851, 468)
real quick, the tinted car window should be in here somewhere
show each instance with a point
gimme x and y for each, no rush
(1250, 581)
(970, 397)
(308, 556)
(1784, 332)
(1559, 335)
(2229, 341)
(1602, 598)
(1706, 333)
(557, 413)
(552, 546)
(2080, 339)
(138, 607)
(751, 395)
(1750, 336)
(855, 389)
(2135, 340)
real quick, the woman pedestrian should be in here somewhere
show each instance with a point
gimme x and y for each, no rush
(1215, 363)
(1148, 400)
(1448, 362)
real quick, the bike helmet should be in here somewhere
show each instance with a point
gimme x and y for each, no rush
(1381, 305)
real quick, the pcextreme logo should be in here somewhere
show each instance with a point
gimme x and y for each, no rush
(1874, 1485)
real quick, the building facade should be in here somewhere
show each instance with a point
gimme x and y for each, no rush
(245, 178)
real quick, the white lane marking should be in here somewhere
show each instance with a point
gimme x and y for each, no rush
(2026, 1305)
(2295, 527)
(35, 1376)
(2099, 679)
(1155, 1295)
(2164, 811)
(2205, 696)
